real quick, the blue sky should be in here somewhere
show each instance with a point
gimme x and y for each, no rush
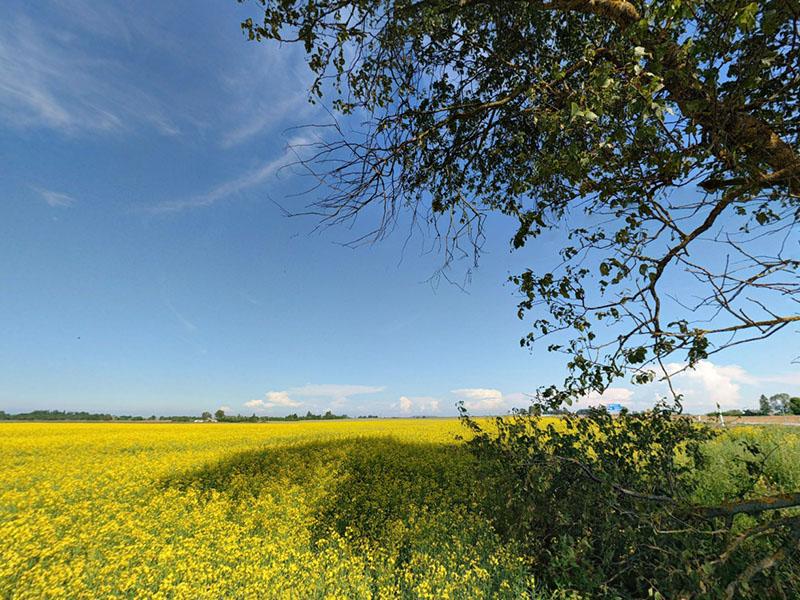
(146, 268)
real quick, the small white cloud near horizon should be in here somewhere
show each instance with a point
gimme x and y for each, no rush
(55, 199)
(482, 399)
(273, 399)
(225, 409)
(333, 394)
(420, 404)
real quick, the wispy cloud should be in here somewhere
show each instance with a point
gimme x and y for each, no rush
(49, 79)
(792, 379)
(250, 298)
(55, 199)
(335, 394)
(186, 323)
(232, 187)
(267, 91)
(265, 117)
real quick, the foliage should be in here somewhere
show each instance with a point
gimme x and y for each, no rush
(625, 507)
(659, 142)
(777, 404)
(309, 416)
(56, 415)
(660, 138)
(794, 405)
(219, 415)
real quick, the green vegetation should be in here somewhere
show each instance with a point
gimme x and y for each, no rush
(653, 144)
(777, 404)
(647, 505)
(60, 415)
(309, 416)
(656, 144)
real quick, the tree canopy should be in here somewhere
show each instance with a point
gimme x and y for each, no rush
(662, 136)
(658, 142)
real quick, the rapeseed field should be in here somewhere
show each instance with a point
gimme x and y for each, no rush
(373, 509)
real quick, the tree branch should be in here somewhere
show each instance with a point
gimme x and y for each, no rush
(751, 507)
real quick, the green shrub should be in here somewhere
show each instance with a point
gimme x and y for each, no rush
(626, 507)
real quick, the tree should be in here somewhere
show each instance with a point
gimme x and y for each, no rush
(219, 414)
(794, 405)
(206, 416)
(658, 142)
(764, 406)
(779, 404)
(662, 136)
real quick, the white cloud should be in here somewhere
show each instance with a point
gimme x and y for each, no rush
(482, 399)
(225, 409)
(419, 404)
(702, 388)
(234, 186)
(709, 384)
(266, 116)
(49, 79)
(282, 79)
(273, 399)
(331, 394)
(55, 199)
(612, 395)
(786, 378)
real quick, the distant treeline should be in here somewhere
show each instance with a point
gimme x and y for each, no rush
(61, 415)
(309, 416)
(777, 404)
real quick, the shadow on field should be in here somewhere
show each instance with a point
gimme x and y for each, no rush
(366, 483)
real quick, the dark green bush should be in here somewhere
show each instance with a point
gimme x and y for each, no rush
(606, 507)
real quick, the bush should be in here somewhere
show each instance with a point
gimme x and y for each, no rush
(606, 507)
(794, 406)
